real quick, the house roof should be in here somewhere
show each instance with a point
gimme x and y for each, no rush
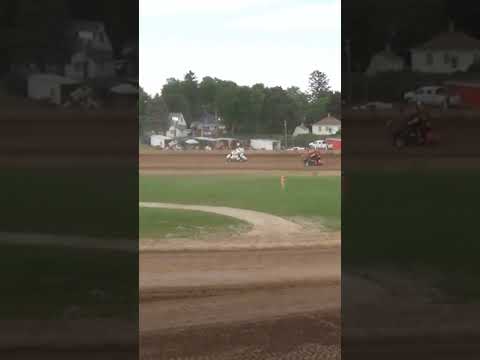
(302, 126)
(180, 115)
(329, 120)
(451, 40)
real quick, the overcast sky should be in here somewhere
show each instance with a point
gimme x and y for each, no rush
(275, 42)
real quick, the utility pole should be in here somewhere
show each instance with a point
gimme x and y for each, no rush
(285, 127)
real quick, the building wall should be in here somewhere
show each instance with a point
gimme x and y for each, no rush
(439, 61)
(46, 87)
(75, 69)
(300, 131)
(470, 95)
(382, 64)
(337, 144)
(259, 144)
(325, 129)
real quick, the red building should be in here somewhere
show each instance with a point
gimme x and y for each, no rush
(469, 92)
(335, 142)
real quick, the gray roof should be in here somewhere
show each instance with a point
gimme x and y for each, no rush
(329, 120)
(451, 40)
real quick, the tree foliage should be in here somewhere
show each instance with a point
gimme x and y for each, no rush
(249, 109)
(319, 86)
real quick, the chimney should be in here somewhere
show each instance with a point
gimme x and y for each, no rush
(451, 26)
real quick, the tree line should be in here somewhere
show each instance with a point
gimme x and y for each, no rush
(244, 109)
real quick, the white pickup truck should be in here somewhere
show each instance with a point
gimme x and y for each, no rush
(434, 96)
(320, 145)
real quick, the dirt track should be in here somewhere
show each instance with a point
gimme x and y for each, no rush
(214, 161)
(271, 294)
(264, 304)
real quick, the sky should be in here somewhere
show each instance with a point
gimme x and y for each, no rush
(274, 42)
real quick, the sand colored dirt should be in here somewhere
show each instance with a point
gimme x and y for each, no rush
(214, 161)
(268, 231)
(277, 285)
(254, 298)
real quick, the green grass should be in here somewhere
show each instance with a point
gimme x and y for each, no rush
(41, 282)
(305, 196)
(159, 223)
(427, 220)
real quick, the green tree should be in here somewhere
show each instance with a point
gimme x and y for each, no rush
(158, 112)
(334, 105)
(190, 90)
(174, 96)
(301, 101)
(257, 95)
(208, 93)
(229, 106)
(317, 109)
(279, 108)
(319, 85)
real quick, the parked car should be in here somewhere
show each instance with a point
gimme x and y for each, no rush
(320, 145)
(296, 148)
(434, 96)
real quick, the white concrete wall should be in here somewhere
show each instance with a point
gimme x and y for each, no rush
(46, 87)
(465, 59)
(300, 131)
(263, 144)
(158, 140)
(325, 129)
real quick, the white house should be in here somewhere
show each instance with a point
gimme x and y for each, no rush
(265, 144)
(92, 55)
(446, 53)
(301, 130)
(385, 60)
(48, 87)
(327, 126)
(159, 140)
(178, 126)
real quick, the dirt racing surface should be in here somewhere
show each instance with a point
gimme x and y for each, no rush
(273, 293)
(266, 304)
(215, 160)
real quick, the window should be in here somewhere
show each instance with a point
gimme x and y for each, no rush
(446, 58)
(454, 62)
(429, 59)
